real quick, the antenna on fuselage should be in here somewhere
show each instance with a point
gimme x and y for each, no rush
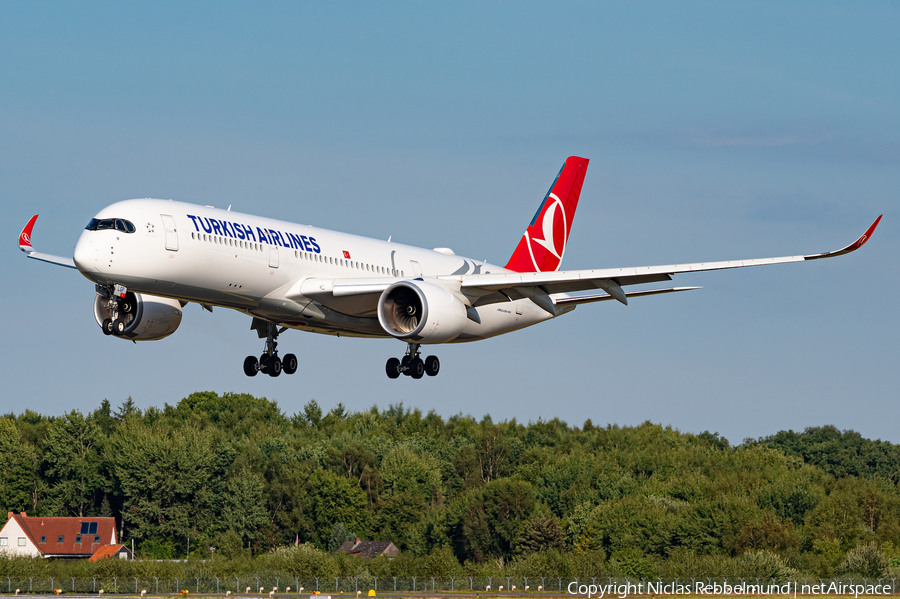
(389, 238)
(229, 208)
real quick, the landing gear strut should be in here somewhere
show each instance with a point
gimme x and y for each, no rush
(412, 364)
(269, 362)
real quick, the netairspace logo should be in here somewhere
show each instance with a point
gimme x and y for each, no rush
(623, 590)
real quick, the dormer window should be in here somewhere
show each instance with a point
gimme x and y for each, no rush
(43, 538)
(60, 538)
(78, 539)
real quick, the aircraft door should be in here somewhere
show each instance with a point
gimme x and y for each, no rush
(416, 268)
(273, 257)
(171, 232)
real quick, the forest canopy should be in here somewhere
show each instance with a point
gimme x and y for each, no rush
(458, 494)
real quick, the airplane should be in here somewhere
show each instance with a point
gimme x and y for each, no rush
(148, 258)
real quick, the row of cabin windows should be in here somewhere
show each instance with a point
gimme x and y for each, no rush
(305, 255)
(227, 241)
(382, 270)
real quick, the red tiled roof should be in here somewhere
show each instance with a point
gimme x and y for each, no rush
(105, 552)
(70, 529)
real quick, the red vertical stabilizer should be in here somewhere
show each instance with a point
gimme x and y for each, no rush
(543, 245)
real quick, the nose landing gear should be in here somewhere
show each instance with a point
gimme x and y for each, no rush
(412, 364)
(269, 362)
(119, 309)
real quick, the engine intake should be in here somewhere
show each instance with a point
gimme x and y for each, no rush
(421, 312)
(146, 317)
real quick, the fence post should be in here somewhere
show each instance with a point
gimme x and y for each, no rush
(177, 585)
(156, 578)
(395, 584)
(376, 584)
(237, 584)
(51, 585)
(136, 591)
(73, 584)
(115, 584)
(335, 584)
(471, 582)
(414, 583)
(198, 583)
(29, 583)
(317, 583)
(432, 584)
(217, 584)
(276, 582)
(451, 583)
(356, 582)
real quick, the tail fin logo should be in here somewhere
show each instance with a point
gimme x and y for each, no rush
(557, 248)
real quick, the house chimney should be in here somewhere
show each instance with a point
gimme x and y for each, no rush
(9, 515)
(24, 515)
(357, 540)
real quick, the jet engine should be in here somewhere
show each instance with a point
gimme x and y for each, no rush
(421, 312)
(145, 317)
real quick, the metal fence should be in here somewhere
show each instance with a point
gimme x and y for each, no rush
(262, 586)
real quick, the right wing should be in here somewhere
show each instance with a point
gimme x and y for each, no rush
(25, 246)
(500, 287)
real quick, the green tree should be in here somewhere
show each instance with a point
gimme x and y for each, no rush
(163, 472)
(334, 500)
(17, 474)
(74, 465)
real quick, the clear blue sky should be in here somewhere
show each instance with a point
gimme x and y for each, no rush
(715, 131)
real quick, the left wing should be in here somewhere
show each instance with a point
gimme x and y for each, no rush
(25, 246)
(500, 287)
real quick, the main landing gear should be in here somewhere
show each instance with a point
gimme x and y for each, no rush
(412, 364)
(269, 362)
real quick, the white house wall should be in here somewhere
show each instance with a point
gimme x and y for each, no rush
(13, 532)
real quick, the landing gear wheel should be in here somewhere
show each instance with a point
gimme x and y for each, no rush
(289, 364)
(107, 326)
(251, 365)
(416, 368)
(274, 366)
(432, 365)
(404, 362)
(264, 364)
(118, 326)
(392, 368)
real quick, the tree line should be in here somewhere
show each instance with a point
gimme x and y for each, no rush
(232, 479)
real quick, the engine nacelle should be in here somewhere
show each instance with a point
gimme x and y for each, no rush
(421, 312)
(147, 317)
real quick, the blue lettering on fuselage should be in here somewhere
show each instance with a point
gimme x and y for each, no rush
(242, 231)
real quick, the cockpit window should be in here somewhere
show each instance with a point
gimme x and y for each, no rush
(119, 224)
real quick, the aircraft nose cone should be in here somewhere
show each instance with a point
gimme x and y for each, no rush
(85, 255)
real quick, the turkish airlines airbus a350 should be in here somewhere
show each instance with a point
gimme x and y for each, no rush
(148, 258)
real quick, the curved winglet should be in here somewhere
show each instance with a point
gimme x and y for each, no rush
(25, 246)
(25, 236)
(850, 248)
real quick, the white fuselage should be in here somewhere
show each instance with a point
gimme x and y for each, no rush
(259, 265)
